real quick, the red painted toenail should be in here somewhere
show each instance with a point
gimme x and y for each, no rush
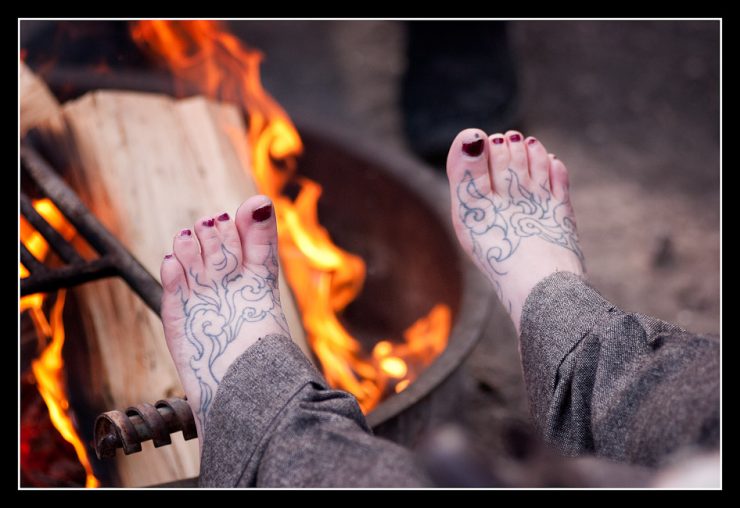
(515, 138)
(186, 232)
(531, 141)
(263, 213)
(497, 141)
(223, 217)
(208, 223)
(473, 149)
(168, 256)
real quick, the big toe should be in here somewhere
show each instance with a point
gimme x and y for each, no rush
(257, 227)
(467, 168)
(468, 155)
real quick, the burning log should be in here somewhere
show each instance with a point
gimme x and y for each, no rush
(43, 364)
(147, 166)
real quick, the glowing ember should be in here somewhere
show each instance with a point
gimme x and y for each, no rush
(48, 367)
(394, 367)
(324, 278)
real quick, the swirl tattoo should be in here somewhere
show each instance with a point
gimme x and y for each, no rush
(216, 311)
(507, 221)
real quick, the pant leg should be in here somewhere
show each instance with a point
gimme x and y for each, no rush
(623, 386)
(275, 423)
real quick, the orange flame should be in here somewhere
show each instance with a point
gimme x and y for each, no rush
(48, 367)
(324, 278)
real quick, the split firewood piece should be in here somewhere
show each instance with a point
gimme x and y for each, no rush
(38, 104)
(147, 166)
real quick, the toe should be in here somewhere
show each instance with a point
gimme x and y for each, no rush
(210, 241)
(185, 248)
(470, 181)
(257, 227)
(468, 160)
(499, 159)
(175, 292)
(559, 182)
(229, 235)
(519, 163)
(172, 276)
(539, 163)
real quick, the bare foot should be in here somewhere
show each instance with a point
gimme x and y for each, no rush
(220, 296)
(512, 213)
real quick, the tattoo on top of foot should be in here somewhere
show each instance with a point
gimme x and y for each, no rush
(507, 221)
(215, 313)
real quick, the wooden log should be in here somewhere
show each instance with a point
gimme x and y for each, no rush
(147, 166)
(36, 101)
(39, 108)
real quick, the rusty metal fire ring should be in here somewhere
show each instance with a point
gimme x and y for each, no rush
(406, 415)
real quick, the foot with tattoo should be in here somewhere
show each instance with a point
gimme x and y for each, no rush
(512, 213)
(220, 296)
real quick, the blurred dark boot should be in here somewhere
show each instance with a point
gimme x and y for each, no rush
(459, 74)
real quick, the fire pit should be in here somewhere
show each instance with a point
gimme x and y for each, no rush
(396, 289)
(391, 211)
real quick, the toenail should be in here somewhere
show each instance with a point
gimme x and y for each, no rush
(515, 137)
(531, 141)
(208, 223)
(263, 213)
(497, 141)
(168, 256)
(223, 217)
(473, 149)
(186, 232)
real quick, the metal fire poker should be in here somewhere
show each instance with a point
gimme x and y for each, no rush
(114, 429)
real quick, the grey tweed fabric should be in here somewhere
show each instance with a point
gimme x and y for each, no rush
(275, 423)
(623, 386)
(599, 380)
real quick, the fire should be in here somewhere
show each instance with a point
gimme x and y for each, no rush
(48, 367)
(324, 278)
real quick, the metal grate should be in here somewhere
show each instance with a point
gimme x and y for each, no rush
(113, 429)
(114, 260)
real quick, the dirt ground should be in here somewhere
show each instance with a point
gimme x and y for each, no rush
(632, 108)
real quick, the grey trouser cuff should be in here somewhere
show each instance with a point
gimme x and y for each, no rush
(275, 423)
(621, 385)
(253, 392)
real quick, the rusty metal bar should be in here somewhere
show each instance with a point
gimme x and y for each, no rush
(66, 276)
(30, 262)
(52, 236)
(114, 429)
(128, 429)
(119, 258)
